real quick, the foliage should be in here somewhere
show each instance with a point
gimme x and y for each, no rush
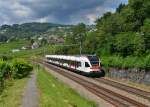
(5, 57)
(126, 62)
(90, 44)
(147, 62)
(120, 7)
(44, 42)
(5, 72)
(78, 37)
(5, 69)
(3, 38)
(125, 32)
(129, 43)
(145, 29)
(79, 32)
(21, 68)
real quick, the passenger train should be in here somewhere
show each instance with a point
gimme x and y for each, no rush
(89, 65)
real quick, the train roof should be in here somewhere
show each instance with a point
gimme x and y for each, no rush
(71, 57)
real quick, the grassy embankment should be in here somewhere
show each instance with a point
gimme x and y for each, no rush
(12, 94)
(53, 93)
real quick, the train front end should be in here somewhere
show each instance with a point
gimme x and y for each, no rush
(95, 69)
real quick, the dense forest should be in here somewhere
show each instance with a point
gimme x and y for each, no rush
(125, 32)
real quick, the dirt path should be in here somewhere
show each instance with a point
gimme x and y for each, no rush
(31, 96)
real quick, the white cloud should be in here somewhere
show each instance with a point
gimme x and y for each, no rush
(91, 18)
(42, 20)
(20, 10)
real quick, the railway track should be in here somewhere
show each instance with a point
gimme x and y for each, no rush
(129, 89)
(108, 95)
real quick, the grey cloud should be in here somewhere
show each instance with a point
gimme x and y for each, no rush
(57, 11)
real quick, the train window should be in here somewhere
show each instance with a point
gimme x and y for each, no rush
(86, 64)
(78, 64)
(49, 58)
(93, 60)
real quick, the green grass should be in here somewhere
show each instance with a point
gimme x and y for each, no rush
(33, 52)
(12, 94)
(53, 93)
(7, 47)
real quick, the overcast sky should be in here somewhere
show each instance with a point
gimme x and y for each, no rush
(55, 11)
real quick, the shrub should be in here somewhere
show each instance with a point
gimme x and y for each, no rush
(5, 72)
(126, 62)
(21, 69)
(5, 57)
(5, 69)
(147, 62)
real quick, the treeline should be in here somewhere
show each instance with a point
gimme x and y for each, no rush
(12, 69)
(125, 32)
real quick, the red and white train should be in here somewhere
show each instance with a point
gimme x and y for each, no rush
(89, 65)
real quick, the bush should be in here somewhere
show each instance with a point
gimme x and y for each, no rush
(5, 69)
(5, 57)
(5, 72)
(126, 62)
(21, 69)
(147, 62)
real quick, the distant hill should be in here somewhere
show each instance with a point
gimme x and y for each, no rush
(27, 30)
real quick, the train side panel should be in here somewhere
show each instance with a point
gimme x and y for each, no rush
(78, 64)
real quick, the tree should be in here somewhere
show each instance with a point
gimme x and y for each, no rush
(3, 38)
(77, 37)
(145, 30)
(90, 44)
(129, 43)
(139, 46)
(141, 10)
(120, 7)
(43, 41)
(79, 32)
(32, 41)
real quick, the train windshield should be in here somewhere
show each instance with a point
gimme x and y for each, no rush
(93, 60)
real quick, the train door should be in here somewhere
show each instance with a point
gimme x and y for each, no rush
(86, 66)
(81, 67)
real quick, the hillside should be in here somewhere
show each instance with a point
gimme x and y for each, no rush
(28, 30)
